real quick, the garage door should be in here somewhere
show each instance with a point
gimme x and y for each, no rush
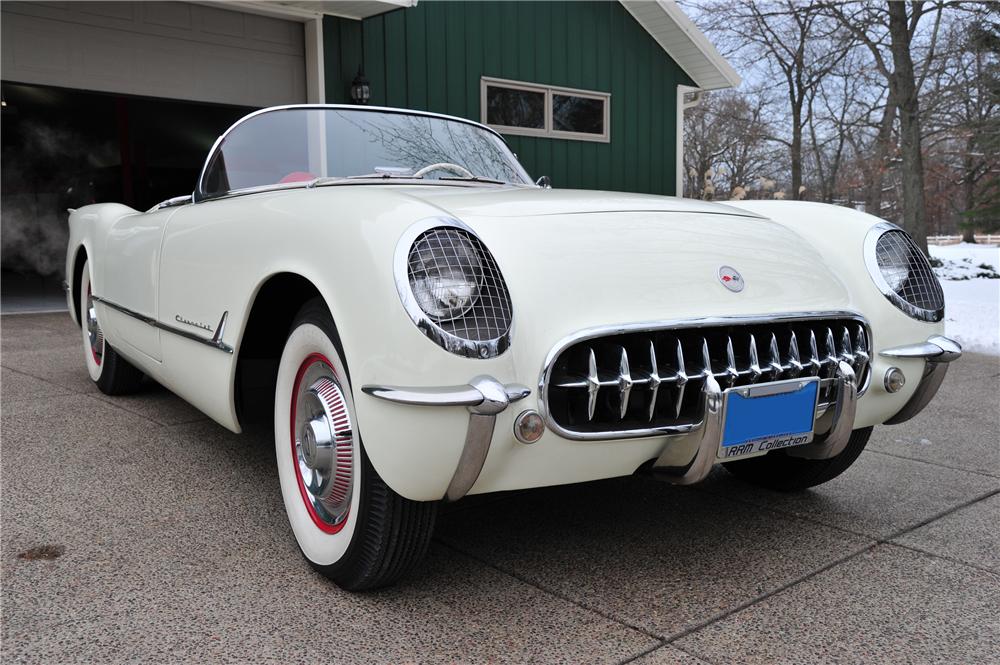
(158, 49)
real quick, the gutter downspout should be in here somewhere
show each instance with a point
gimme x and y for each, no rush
(681, 107)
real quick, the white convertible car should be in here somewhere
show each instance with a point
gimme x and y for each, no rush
(425, 322)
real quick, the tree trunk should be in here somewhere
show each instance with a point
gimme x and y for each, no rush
(796, 148)
(969, 191)
(904, 87)
(873, 195)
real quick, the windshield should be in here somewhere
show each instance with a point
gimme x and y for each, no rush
(300, 144)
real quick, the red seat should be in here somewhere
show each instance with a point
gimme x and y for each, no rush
(297, 176)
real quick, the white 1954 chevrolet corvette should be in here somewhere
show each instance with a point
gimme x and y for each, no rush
(425, 322)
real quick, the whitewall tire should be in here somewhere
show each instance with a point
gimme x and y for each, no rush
(349, 525)
(113, 374)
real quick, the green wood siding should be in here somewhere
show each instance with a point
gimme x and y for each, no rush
(432, 56)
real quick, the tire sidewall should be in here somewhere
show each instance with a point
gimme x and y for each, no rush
(319, 547)
(94, 369)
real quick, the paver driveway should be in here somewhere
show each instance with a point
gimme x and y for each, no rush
(177, 549)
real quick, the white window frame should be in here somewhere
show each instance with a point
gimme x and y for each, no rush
(548, 131)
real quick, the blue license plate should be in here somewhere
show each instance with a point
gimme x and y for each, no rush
(768, 416)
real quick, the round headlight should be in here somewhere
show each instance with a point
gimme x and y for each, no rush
(893, 263)
(445, 272)
(452, 289)
(902, 273)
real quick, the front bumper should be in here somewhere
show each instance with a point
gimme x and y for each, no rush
(685, 458)
(938, 353)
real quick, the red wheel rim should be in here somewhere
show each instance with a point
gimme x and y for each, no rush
(340, 470)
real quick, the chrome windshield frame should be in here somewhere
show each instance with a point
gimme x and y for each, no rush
(200, 194)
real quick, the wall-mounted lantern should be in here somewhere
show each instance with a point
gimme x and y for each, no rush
(361, 90)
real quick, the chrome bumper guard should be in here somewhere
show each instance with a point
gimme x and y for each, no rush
(938, 352)
(484, 397)
(709, 435)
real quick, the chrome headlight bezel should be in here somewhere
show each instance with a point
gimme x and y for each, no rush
(434, 327)
(871, 245)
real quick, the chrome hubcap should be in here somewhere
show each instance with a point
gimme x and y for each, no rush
(324, 445)
(94, 333)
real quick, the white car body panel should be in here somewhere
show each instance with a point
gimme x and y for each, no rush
(134, 241)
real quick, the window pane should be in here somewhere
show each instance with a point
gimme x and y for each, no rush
(515, 108)
(577, 114)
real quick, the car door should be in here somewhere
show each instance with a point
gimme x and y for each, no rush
(129, 275)
(199, 265)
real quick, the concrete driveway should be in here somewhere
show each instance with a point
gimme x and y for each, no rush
(176, 547)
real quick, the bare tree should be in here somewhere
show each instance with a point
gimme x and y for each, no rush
(797, 42)
(968, 115)
(747, 156)
(703, 145)
(833, 117)
(888, 32)
(726, 145)
(891, 105)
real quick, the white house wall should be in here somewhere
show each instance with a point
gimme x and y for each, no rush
(159, 49)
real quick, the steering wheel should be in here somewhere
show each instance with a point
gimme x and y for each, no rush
(444, 166)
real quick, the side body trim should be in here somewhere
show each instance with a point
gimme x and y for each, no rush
(215, 341)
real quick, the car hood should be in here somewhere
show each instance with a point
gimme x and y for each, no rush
(598, 258)
(536, 202)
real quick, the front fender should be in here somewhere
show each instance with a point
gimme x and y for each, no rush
(839, 233)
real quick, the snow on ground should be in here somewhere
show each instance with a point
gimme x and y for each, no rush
(966, 261)
(970, 277)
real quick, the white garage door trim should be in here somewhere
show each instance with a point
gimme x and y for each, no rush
(174, 50)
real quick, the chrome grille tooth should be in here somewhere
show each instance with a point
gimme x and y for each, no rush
(814, 362)
(861, 352)
(654, 380)
(624, 383)
(847, 354)
(861, 348)
(732, 374)
(593, 385)
(706, 358)
(794, 361)
(755, 370)
(682, 379)
(775, 364)
(582, 383)
(831, 351)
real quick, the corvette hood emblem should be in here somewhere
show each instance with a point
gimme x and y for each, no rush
(731, 279)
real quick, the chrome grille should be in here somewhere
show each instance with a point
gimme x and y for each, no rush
(921, 288)
(447, 249)
(647, 381)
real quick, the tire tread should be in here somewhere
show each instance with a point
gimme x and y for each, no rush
(118, 376)
(784, 473)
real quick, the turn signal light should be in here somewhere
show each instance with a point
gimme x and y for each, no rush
(894, 380)
(529, 427)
